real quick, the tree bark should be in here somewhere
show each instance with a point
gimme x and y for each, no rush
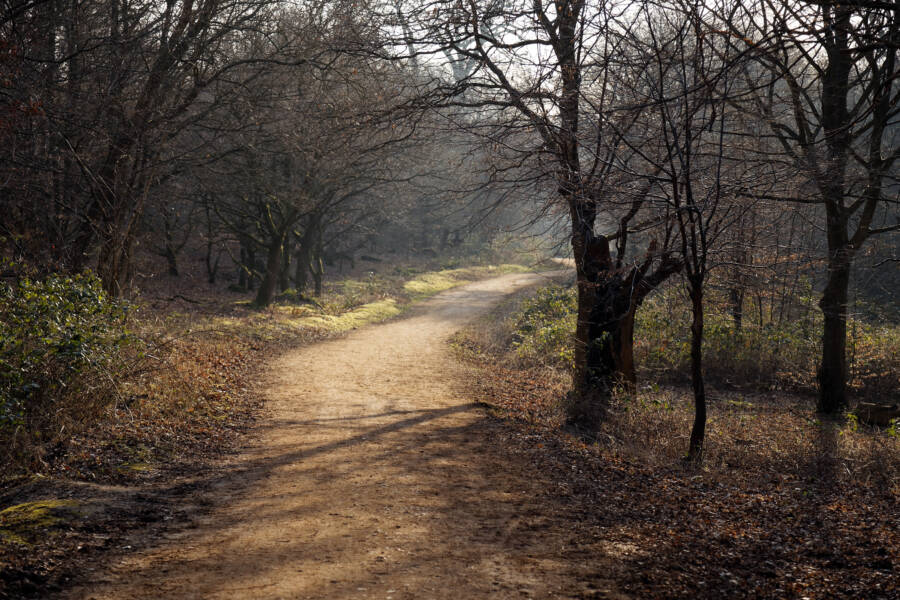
(835, 118)
(171, 261)
(318, 269)
(305, 252)
(212, 266)
(284, 274)
(593, 373)
(608, 300)
(832, 375)
(301, 272)
(114, 260)
(266, 291)
(248, 272)
(698, 431)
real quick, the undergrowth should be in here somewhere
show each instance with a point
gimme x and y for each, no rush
(65, 347)
(766, 355)
(754, 431)
(103, 390)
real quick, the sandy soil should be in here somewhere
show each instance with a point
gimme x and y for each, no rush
(375, 478)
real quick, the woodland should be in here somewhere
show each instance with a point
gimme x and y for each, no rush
(190, 189)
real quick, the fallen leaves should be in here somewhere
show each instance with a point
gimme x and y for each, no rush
(786, 507)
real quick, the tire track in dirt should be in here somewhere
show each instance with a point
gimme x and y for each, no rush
(375, 478)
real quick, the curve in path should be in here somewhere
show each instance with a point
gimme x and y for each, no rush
(377, 478)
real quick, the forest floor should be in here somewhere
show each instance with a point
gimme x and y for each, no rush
(141, 464)
(384, 467)
(374, 476)
(786, 504)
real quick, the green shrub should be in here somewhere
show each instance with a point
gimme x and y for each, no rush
(60, 339)
(772, 355)
(545, 325)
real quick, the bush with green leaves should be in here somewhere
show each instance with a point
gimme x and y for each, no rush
(774, 354)
(59, 344)
(765, 355)
(545, 326)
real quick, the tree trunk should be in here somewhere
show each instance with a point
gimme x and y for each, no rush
(736, 299)
(243, 276)
(832, 373)
(171, 260)
(695, 450)
(114, 262)
(301, 272)
(212, 266)
(594, 370)
(305, 253)
(284, 274)
(169, 249)
(608, 300)
(836, 121)
(610, 355)
(266, 291)
(318, 266)
(318, 270)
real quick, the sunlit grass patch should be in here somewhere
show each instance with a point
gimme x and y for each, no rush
(24, 523)
(136, 467)
(432, 283)
(373, 312)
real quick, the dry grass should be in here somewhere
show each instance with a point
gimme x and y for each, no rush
(750, 434)
(186, 389)
(783, 506)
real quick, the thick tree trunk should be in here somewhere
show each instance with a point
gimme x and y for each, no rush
(608, 300)
(610, 355)
(832, 373)
(698, 432)
(266, 291)
(593, 375)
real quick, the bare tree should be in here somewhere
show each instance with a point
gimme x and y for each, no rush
(117, 80)
(519, 79)
(827, 87)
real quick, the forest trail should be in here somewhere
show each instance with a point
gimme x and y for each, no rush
(375, 478)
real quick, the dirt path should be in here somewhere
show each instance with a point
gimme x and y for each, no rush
(376, 479)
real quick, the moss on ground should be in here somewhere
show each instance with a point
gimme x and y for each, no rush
(373, 312)
(432, 283)
(418, 288)
(24, 523)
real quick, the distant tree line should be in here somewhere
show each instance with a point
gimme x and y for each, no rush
(242, 128)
